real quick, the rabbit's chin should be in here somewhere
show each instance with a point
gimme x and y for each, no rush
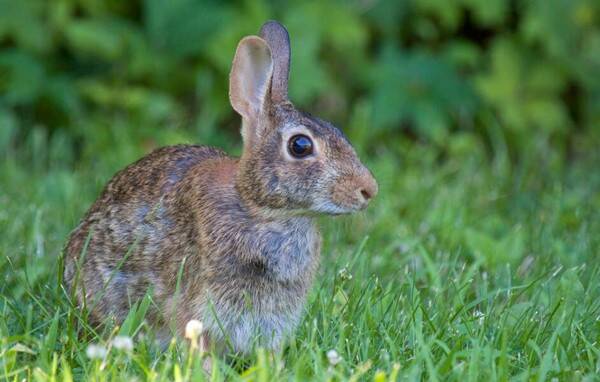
(329, 208)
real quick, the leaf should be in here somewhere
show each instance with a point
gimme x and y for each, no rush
(448, 12)
(49, 344)
(8, 129)
(551, 24)
(135, 317)
(96, 37)
(525, 91)
(183, 27)
(419, 88)
(570, 285)
(509, 248)
(20, 348)
(152, 104)
(23, 21)
(22, 78)
(388, 16)
(488, 13)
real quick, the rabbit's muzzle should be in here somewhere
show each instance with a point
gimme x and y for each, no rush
(353, 192)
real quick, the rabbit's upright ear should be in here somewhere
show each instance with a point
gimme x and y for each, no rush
(250, 78)
(278, 39)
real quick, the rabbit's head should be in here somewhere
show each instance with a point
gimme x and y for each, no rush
(292, 162)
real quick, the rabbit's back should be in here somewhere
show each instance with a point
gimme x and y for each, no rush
(135, 232)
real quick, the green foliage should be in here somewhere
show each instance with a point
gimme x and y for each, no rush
(467, 270)
(478, 260)
(426, 67)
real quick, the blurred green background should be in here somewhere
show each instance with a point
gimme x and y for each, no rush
(517, 77)
(480, 119)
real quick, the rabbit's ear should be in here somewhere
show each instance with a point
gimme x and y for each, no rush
(250, 77)
(278, 39)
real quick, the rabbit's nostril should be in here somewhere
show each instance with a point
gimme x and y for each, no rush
(365, 194)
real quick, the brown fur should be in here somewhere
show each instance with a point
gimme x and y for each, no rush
(240, 231)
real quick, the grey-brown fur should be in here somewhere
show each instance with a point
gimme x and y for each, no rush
(240, 230)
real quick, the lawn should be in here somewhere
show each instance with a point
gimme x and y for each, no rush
(465, 267)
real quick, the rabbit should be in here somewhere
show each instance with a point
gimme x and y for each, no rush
(228, 241)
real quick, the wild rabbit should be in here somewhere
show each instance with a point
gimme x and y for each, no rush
(228, 241)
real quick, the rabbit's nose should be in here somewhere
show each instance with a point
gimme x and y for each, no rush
(365, 194)
(368, 188)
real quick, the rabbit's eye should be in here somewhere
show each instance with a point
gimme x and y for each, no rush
(300, 146)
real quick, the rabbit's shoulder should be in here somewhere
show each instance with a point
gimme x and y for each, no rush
(158, 172)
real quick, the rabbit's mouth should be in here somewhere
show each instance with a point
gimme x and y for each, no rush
(328, 207)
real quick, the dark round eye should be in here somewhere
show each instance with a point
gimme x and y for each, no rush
(300, 146)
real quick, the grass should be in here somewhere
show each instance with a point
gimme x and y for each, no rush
(464, 268)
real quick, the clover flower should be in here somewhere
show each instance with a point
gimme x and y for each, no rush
(123, 343)
(333, 357)
(193, 330)
(96, 351)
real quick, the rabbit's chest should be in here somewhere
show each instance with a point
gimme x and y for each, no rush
(248, 325)
(284, 253)
(264, 276)
(270, 252)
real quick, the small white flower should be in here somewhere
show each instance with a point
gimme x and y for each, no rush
(333, 357)
(96, 351)
(123, 343)
(344, 274)
(479, 316)
(193, 329)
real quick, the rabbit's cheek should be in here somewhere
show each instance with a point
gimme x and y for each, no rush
(344, 194)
